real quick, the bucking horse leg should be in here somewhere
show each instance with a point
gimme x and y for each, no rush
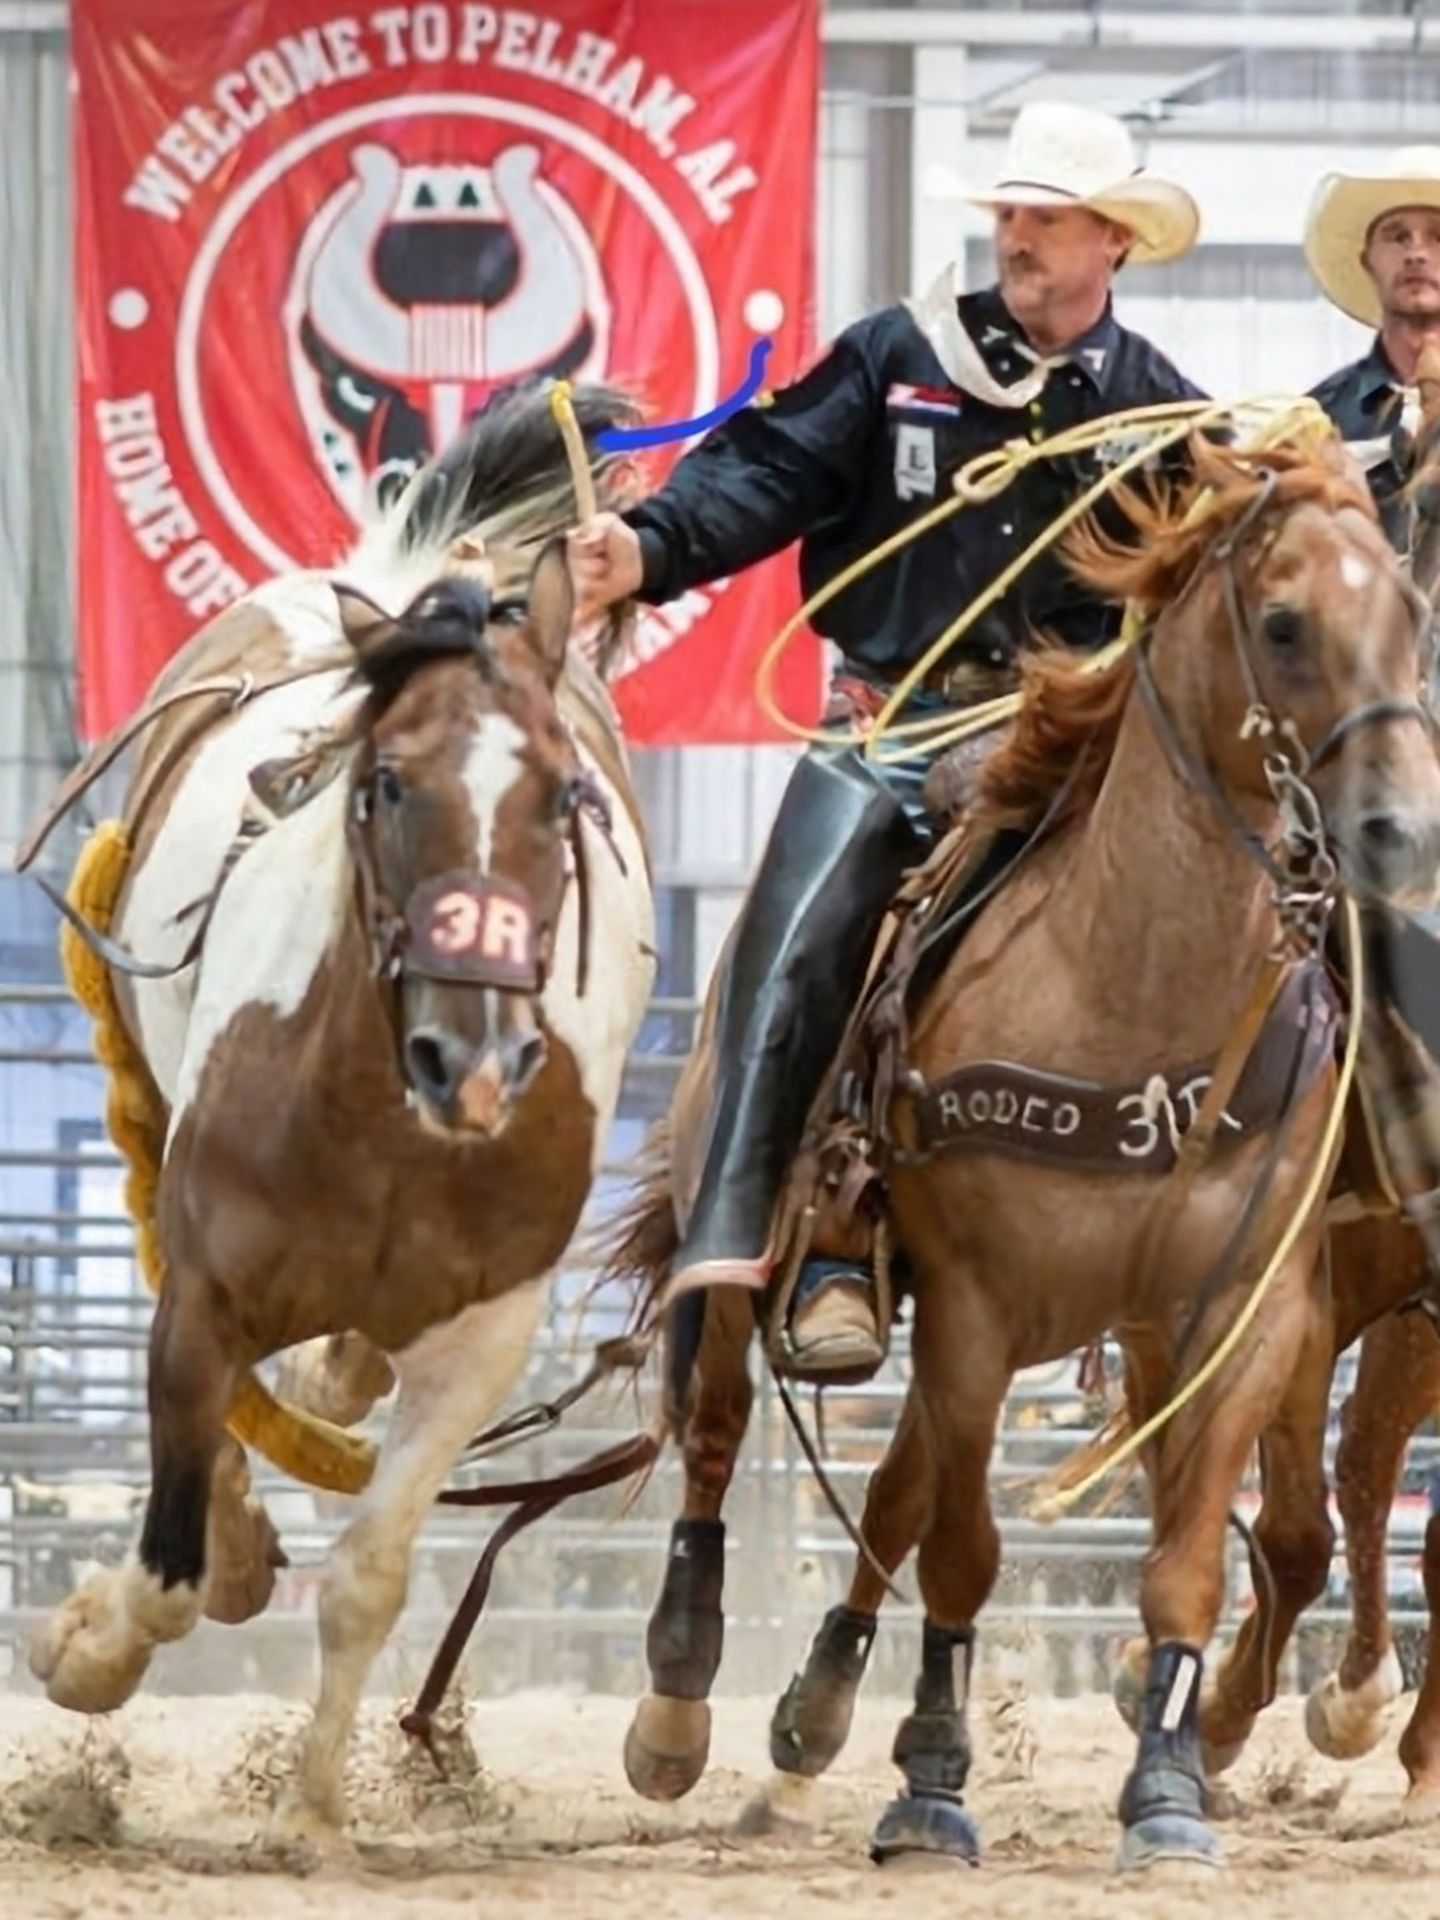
(451, 1381)
(668, 1742)
(93, 1651)
(1396, 1386)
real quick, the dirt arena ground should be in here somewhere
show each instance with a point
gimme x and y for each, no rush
(164, 1813)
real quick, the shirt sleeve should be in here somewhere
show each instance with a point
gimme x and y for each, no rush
(765, 476)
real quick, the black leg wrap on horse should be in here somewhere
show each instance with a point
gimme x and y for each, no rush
(838, 849)
(811, 1721)
(932, 1750)
(932, 1747)
(686, 1634)
(1163, 1801)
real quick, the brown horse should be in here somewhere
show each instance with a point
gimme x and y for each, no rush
(382, 1088)
(1127, 946)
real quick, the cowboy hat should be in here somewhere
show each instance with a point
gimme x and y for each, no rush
(1343, 209)
(1061, 155)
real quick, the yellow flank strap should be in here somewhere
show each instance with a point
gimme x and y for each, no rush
(1270, 419)
(311, 1450)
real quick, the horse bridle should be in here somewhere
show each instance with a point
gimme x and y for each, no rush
(439, 932)
(1304, 875)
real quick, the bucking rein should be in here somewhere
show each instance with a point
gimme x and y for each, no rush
(327, 1456)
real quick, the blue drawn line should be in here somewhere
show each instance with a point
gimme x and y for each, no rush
(621, 439)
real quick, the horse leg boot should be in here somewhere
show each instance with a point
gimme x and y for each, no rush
(668, 1741)
(93, 1651)
(961, 1378)
(840, 844)
(811, 1721)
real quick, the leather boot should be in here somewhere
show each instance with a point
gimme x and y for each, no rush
(839, 847)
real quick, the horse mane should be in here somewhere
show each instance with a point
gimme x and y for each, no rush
(1070, 714)
(503, 483)
(447, 620)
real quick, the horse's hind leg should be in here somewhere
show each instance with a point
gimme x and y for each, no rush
(668, 1742)
(1420, 1742)
(1293, 1542)
(1395, 1388)
(95, 1648)
(451, 1380)
(811, 1722)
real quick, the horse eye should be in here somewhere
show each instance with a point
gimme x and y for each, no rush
(388, 787)
(1283, 626)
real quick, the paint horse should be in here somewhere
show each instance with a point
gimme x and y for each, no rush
(1285, 643)
(406, 857)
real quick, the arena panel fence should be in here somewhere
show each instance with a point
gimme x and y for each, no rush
(572, 1597)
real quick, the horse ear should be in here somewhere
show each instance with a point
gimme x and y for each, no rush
(284, 786)
(551, 604)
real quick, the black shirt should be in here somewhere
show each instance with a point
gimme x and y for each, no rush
(1364, 400)
(865, 443)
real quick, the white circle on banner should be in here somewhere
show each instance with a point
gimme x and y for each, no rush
(128, 309)
(764, 310)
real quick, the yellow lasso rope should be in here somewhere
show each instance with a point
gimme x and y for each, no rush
(301, 1445)
(1054, 1505)
(985, 478)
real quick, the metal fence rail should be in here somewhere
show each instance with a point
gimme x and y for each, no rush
(572, 1597)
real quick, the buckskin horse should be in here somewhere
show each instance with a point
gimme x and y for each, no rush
(404, 854)
(1284, 644)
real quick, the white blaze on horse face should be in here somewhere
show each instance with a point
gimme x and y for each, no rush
(492, 767)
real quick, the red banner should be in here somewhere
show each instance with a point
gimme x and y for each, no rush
(311, 242)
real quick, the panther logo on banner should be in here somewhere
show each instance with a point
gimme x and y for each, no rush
(311, 244)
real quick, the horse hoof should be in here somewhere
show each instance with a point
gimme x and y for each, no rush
(926, 1823)
(667, 1746)
(1127, 1689)
(1161, 1837)
(1344, 1723)
(88, 1653)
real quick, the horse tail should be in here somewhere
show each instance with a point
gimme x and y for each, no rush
(635, 1247)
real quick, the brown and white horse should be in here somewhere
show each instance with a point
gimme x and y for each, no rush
(387, 1078)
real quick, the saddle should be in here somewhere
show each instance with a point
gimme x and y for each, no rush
(834, 1201)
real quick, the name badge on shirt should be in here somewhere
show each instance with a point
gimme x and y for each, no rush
(914, 462)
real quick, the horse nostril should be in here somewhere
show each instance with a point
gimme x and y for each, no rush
(1382, 835)
(428, 1062)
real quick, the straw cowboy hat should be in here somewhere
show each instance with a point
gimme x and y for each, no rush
(1343, 209)
(1073, 156)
